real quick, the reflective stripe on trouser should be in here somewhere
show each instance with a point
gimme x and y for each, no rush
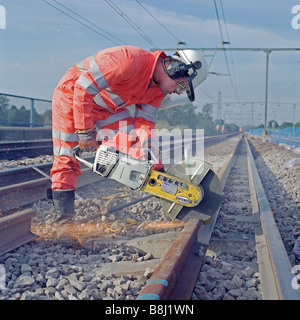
(66, 168)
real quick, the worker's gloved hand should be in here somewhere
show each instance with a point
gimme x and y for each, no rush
(87, 139)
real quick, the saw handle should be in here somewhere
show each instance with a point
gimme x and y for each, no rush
(76, 152)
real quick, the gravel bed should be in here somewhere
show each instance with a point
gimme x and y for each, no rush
(5, 164)
(46, 269)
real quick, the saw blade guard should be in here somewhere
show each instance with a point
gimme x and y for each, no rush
(201, 174)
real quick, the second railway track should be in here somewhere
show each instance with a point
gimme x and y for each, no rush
(20, 149)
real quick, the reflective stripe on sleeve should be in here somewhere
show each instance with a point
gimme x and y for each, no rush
(64, 136)
(97, 74)
(100, 102)
(80, 65)
(87, 85)
(116, 117)
(114, 97)
(146, 111)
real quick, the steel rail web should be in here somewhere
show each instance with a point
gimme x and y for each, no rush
(27, 192)
(24, 144)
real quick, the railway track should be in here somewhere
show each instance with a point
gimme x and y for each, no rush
(205, 241)
(245, 231)
(20, 149)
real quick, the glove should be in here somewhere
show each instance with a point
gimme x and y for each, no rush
(87, 139)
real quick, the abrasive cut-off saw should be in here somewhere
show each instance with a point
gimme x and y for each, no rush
(189, 189)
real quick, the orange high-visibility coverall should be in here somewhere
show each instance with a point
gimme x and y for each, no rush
(96, 91)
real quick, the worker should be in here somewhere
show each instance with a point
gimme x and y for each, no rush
(93, 95)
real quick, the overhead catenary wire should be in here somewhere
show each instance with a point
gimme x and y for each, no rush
(93, 24)
(207, 92)
(229, 42)
(171, 33)
(131, 22)
(224, 50)
(85, 24)
(287, 86)
(219, 23)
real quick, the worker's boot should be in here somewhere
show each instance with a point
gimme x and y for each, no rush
(63, 201)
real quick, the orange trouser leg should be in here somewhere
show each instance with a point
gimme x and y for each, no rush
(65, 169)
(65, 172)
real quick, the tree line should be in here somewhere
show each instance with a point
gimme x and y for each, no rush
(273, 124)
(184, 116)
(187, 117)
(12, 115)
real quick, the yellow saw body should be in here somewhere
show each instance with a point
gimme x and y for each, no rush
(171, 188)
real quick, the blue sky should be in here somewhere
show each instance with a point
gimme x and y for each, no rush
(40, 43)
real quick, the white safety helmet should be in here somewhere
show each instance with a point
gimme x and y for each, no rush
(191, 63)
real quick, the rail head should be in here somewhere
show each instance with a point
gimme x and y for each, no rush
(163, 280)
(15, 230)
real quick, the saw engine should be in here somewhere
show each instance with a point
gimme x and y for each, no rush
(185, 190)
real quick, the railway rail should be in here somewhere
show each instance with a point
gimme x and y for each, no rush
(19, 149)
(175, 278)
(15, 230)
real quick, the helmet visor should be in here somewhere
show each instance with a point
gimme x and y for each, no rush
(190, 91)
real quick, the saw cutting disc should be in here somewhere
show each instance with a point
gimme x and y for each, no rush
(199, 173)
